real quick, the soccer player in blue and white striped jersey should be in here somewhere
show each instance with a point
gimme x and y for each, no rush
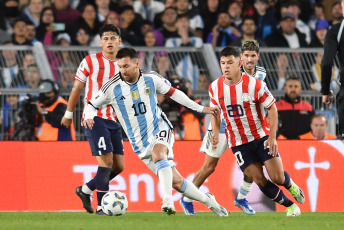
(133, 95)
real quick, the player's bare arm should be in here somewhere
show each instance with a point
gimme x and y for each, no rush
(215, 122)
(273, 121)
(78, 86)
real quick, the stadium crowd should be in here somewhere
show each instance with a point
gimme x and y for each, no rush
(169, 23)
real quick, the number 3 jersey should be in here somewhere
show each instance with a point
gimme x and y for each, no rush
(242, 107)
(136, 106)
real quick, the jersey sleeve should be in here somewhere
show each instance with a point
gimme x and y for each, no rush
(163, 86)
(83, 71)
(213, 102)
(265, 97)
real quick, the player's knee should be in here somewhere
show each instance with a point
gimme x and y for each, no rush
(260, 180)
(277, 178)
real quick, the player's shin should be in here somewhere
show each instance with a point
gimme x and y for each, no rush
(245, 188)
(275, 194)
(102, 182)
(165, 177)
(190, 191)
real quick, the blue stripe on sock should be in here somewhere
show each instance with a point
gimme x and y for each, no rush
(162, 164)
(243, 191)
(185, 183)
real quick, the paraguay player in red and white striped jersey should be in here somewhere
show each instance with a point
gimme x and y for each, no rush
(106, 138)
(242, 100)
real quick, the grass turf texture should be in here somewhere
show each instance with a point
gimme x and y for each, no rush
(155, 220)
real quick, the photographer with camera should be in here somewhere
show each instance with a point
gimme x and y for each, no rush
(51, 109)
(188, 124)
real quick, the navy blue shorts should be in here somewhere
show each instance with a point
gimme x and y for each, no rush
(251, 152)
(105, 137)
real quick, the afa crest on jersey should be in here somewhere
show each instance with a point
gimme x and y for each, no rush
(135, 95)
(147, 90)
(245, 97)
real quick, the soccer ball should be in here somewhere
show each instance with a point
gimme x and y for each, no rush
(114, 203)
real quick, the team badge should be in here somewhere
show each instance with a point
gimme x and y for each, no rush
(135, 95)
(147, 90)
(267, 90)
(245, 97)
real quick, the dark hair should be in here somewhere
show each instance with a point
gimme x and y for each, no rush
(248, 18)
(335, 3)
(293, 77)
(250, 46)
(179, 16)
(109, 28)
(229, 51)
(125, 8)
(127, 52)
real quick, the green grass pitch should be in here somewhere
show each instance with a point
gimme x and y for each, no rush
(155, 220)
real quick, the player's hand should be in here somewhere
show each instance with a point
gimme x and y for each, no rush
(327, 99)
(66, 122)
(87, 124)
(214, 140)
(271, 144)
(212, 110)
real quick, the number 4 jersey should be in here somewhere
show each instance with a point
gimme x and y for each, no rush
(242, 105)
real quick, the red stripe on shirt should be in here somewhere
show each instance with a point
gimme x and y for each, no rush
(247, 107)
(90, 83)
(236, 117)
(100, 77)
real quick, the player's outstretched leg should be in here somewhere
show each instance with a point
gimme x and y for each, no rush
(240, 201)
(187, 206)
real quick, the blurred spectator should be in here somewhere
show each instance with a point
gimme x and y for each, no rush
(81, 37)
(203, 82)
(11, 14)
(318, 129)
(294, 114)
(9, 115)
(318, 13)
(19, 33)
(147, 26)
(67, 70)
(33, 11)
(281, 71)
(148, 8)
(295, 7)
(88, 21)
(316, 70)
(103, 9)
(148, 58)
(9, 75)
(31, 32)
(287, 35)
(4, 37)
(52, 108)
(164, 66)
(169, 18)
(265, 19)
(28, 59)
(235, 11)
(249, 29)
(157, 23)
(65, 13)
(209, 15)
(336, 12)
(113, 18)
(191, 122)
(32, 77)
(131, 27)
(223, 33)
(196, 22)
(185, 64)
(320, 32)
(45, 32)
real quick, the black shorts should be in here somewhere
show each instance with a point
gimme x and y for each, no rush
(252, 152)
(105, 137)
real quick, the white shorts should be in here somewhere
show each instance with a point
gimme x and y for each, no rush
(164, 137)
(207, 148)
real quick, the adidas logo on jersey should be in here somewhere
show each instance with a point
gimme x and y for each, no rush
(122, 98)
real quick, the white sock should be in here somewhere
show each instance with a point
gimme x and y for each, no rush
(86, 189)
(244, 190)
(165, 181)
(193, 193)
